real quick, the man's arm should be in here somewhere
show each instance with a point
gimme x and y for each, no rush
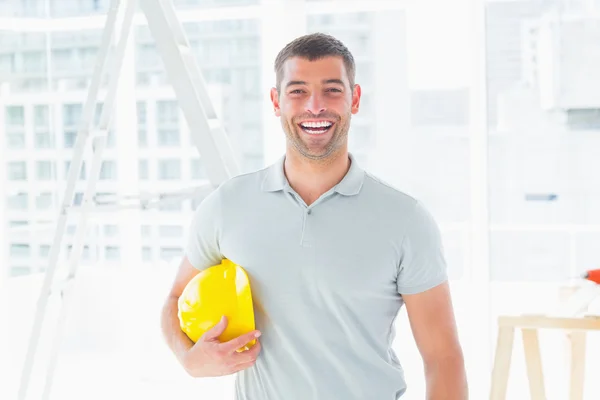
(433, 325)
(208, 357)
(175, 338)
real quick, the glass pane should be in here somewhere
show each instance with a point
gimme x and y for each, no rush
(169, 253)
(169, 169)
(20, 250)
(111, 230)
(146, 254)
(45, 170)
(143, 171)
(15, 116)
(197, 170)
(18, 201)
(17, 171)
(41, 115)
(112, 253)
(71, 8)
(170, 231)
(108, 171)
(213, 3)
(43, 201)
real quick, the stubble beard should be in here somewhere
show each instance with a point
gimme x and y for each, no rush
(338, 139)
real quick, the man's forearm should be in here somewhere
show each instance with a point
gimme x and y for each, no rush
(446, 379)
(176, 339)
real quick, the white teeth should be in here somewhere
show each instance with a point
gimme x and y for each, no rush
(321, 124)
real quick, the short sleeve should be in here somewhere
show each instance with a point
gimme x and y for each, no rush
(202, 249)
(423, 264)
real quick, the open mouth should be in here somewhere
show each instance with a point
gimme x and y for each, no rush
(316, 128)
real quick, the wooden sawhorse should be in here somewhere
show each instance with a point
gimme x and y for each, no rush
(576, 328)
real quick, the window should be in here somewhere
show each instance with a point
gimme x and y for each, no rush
(98, 113)
(72, 114)
(34, 61)
(197, 170)
(17, 171)
(85, 253)
(171, 206)
(112, 253)
(45, 170)
(15, 116)
(43, 201)
(146, 230)
(584, 119)
(141, 112)
(44, 140)
(168, 253)
(69, 139)
(111, 230)
(169, 169)
(168, 137)
(7, 63)
(108, 171)
(146, 253)
(111, 139)
(167, 112)
(167, 231)
(17, 223)
(62, 59)
(18, 201)
(41, 116)
(143, 171)
(78, 199)
(142, 138)
(15, 140)
(20, 250)
(44, 250)
(20, 270)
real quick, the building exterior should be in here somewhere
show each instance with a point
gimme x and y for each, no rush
(152, 151)
(418, 141)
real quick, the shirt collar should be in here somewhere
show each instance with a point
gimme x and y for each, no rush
(350, 185)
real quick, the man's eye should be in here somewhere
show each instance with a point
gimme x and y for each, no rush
(297, 91)
(334, 90)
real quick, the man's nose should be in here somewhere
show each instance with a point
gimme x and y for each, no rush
(315, 104)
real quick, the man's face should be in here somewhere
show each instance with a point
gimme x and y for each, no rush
(315, 104)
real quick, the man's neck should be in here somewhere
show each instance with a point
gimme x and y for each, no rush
(310, 179)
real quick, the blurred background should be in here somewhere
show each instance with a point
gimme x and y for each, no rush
(488, 111)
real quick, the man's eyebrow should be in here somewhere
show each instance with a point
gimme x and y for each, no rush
(325, 81)
(339, 81)
(292, 83)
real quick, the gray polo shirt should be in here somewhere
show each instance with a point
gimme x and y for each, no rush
(327, 279)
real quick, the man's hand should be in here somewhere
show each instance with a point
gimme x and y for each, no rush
(208, 357)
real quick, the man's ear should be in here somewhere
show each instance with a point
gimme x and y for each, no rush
(356, 98)
(275, 101)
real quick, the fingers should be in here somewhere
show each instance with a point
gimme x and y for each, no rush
(248, 355)
(214, 332)
(240, 341)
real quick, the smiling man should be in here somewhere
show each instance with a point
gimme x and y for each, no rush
(332, 252)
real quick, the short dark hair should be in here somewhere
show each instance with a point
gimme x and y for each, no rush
(313, 47)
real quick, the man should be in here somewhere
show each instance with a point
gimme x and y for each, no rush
(332, 254)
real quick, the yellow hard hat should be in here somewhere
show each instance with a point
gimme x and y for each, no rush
(221, 290)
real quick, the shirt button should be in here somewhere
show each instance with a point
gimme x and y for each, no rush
(308, 211)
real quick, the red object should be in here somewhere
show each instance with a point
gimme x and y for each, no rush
(593, 275)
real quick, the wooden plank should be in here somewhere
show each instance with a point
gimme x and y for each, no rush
(501, 369)
(533, 360)
(577, 378)
(546, 322)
